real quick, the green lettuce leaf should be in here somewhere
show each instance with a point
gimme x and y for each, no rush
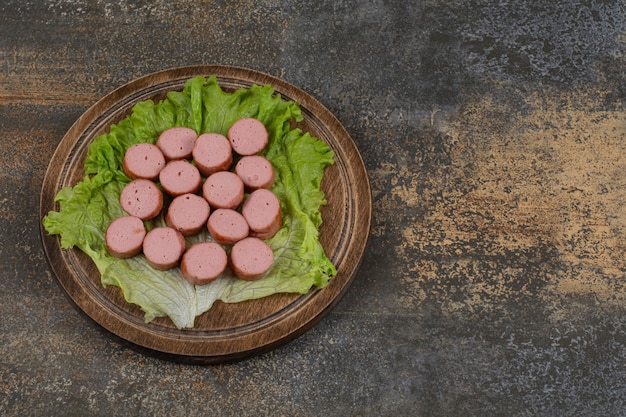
(299, 159)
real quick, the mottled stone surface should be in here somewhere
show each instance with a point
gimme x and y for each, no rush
(494, 135)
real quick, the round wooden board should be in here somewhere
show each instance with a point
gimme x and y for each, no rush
(227, 332)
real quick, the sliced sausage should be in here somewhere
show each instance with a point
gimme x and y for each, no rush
(180, 177)
(212, 153)
(269, 233)
(163, 247)
(143, 160)
(250, 258)
(142, 198)
(124, 236)
(262, 212)
(177, 142)
(247, 136)
(227, 226)
(223, 189)
(203, 262)
(187, 213)
(255, 171)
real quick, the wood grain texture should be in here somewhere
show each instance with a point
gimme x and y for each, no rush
(226, 332)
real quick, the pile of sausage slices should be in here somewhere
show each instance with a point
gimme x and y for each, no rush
(195, 170)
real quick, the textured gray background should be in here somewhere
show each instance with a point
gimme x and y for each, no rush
(494, 137)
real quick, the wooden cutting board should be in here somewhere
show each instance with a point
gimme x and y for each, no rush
(227, 332)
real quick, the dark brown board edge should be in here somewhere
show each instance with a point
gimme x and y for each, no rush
(363, 210)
